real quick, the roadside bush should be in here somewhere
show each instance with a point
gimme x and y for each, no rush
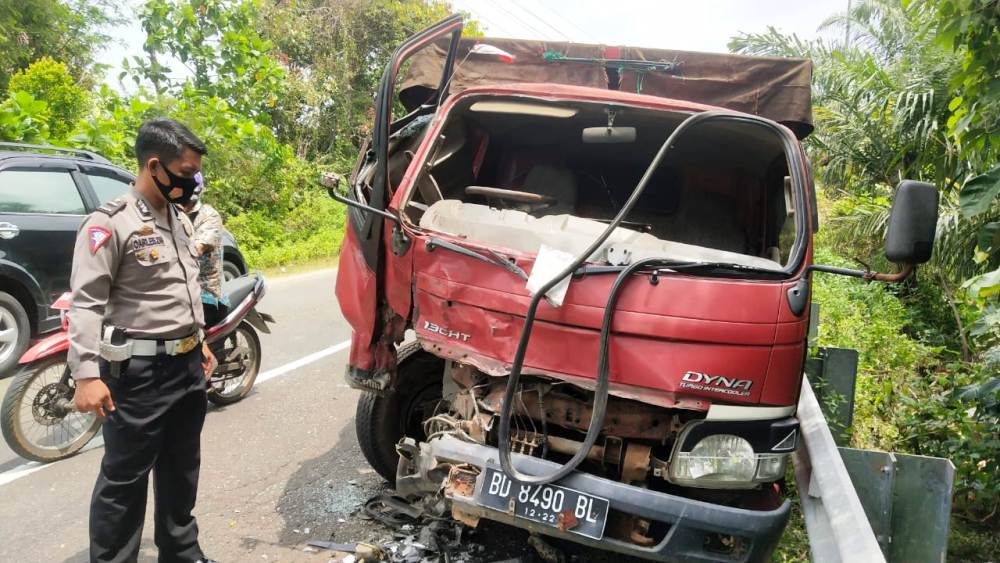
(908, 398)
(268, 196)
(314, 230)
(868, 317)
(24, 119)
(110, 126)
(939, 417)
(50, 81)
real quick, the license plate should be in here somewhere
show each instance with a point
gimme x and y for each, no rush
(553, 505)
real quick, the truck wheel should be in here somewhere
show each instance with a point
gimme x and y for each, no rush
(382, 421)
(15, 332)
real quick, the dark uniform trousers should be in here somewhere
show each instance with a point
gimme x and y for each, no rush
(160, 407)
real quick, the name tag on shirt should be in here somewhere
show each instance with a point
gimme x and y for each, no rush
(147, 241)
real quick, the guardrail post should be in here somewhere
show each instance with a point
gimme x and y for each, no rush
(834, 371)
(907, 499)
(874, 476)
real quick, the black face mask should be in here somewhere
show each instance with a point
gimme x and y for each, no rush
(187, 186)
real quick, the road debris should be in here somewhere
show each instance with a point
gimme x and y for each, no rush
(356, 551)
(545, 550)
(421, 534)
(391, 511)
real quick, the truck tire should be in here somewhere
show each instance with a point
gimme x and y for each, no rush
(382, 421)
(15, 333)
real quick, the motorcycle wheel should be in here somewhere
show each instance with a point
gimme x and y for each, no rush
(33, 424)
(242, 341)
(382, 421)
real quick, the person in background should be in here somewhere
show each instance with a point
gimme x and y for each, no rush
(207, 239)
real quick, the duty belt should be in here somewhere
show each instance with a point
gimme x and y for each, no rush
(170, 347)
(125, 348)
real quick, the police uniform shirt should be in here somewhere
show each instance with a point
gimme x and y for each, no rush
(134, 267)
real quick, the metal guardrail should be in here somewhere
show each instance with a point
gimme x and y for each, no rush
(864, 505)
(835, 518)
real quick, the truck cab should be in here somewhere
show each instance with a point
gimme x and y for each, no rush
(604, 255)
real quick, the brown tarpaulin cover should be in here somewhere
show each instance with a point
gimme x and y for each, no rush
(772, 87)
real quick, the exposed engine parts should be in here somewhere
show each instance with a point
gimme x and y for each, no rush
(548, 420)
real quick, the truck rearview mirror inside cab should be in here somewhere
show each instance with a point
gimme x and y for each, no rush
(604, 135)
(909, 238)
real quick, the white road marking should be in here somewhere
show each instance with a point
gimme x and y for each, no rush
(306, 360)
(20, 471)
(30, 467)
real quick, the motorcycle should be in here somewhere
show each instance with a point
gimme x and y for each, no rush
(38, 418)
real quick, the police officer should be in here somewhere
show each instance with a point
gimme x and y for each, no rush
(137, 352)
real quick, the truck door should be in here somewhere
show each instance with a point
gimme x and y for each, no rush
(361, 276)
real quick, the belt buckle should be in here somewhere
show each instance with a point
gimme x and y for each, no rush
(186, 344)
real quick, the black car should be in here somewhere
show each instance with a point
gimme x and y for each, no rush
(45, 193)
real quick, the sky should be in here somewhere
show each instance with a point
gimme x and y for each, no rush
(699, 25)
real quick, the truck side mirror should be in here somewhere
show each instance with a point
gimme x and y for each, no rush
(333, 182)
(909, 238)
(337, 189)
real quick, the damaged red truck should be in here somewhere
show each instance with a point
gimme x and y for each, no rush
(645, 404)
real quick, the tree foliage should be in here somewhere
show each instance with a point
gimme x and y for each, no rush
(885, 106)
(24, 119)
(911, 93)
(68, 31)
(335, 53)
(971, 29)
(50, 81)
(219, 43)
(278, 90)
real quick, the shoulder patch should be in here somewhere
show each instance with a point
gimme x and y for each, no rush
(113, 206)
(97, 236)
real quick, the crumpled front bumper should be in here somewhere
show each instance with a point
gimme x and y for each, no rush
(691, 520)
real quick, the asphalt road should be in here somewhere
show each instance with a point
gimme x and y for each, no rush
(280, 468)
(276, 467)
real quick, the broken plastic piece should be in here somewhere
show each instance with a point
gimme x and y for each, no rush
(548, 263)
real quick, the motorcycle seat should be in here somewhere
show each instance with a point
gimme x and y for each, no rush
(237, 289)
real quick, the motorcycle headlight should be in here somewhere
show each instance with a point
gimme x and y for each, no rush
(725, 461)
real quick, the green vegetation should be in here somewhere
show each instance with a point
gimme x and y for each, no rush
(914, 94)
(279, 91)
(68, 31)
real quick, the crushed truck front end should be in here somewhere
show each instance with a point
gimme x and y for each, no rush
(704, 353)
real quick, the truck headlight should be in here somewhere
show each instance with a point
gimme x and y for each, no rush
(717, 458)
(725, 461)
